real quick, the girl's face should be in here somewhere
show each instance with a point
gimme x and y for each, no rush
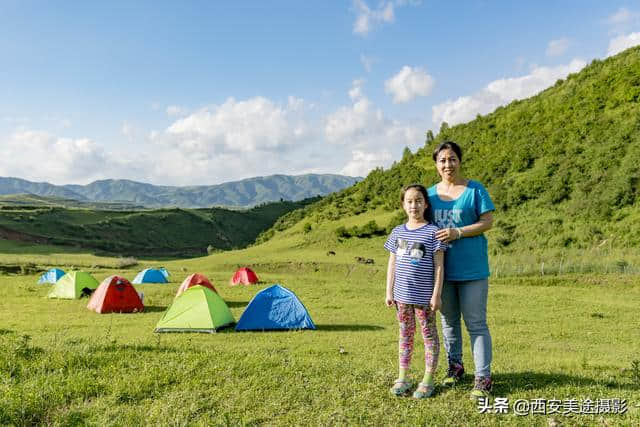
(414, 204)
(448, 164)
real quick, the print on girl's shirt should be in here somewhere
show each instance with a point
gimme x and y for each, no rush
(413, 250)
(447, 218)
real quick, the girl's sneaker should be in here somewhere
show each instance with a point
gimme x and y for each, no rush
(400, 387)
(423, 391)
(481, 388)
(454, 374)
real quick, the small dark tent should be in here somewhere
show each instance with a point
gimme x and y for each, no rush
(244, 276)
(115, 295)
(273, 308)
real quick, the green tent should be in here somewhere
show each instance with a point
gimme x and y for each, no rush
(198, 309)
(73, 285)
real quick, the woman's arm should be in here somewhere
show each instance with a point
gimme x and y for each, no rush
(391, 274)
(438, 279)
(484, 223)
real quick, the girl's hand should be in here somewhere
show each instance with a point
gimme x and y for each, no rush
(389, 300)
(447, 235)
(436, 303)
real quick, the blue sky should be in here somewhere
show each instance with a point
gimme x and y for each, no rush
(197, 92)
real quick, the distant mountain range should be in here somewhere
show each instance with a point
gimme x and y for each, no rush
(244, 193)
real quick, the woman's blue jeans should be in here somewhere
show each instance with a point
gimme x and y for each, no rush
(469, 299)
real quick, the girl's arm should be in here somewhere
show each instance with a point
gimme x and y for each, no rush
(391, 274)
(436, 300)
(484, 223)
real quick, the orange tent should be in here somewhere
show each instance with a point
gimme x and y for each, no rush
(244, 276)
(115, 295)
(194, 280)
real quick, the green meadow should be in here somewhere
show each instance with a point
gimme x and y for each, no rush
(561, 335)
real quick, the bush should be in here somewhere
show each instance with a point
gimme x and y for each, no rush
(126, 262)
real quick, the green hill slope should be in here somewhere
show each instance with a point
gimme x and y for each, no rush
(562, 166)
(171, 232)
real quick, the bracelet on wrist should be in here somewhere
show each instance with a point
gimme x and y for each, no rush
(459, 231)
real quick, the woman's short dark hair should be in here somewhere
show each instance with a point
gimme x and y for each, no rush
(447, 145)
(418, 187)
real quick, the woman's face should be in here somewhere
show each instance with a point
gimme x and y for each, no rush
(448, 164)
(414, 204)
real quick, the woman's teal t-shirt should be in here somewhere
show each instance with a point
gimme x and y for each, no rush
(467, 258)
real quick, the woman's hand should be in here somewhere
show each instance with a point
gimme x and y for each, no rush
(436, 303)
(448, 234)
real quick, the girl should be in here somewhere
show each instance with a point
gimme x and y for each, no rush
(462, 209)
(414, 284)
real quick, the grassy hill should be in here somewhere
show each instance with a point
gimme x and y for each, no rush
(35, 200)
(562, 167)
(172, 232)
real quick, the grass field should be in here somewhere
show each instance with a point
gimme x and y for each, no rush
(567, 336)
(571, 332)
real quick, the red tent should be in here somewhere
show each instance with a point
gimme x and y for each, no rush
(245, 275)
(115, 295)
(193, 280)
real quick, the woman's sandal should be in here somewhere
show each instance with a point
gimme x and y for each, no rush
(400, 387)
(428, 391)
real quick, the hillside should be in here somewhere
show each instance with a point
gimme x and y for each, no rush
(245, 193)
(164, 232)
(563, 167)
(34, 200)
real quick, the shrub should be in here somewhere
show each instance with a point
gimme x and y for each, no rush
(126, 262)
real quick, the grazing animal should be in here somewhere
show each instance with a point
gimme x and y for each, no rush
(331, 253)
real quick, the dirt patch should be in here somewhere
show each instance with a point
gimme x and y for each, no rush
(8, 234)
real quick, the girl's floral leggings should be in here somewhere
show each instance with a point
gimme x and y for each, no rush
(407, 314)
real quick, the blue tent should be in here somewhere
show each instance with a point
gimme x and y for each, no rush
(150, 275)
(51, 276)
(275, 307)
(165, 272)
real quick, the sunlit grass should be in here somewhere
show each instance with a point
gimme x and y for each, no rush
(555, 336)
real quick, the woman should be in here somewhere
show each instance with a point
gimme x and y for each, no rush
(462, 209)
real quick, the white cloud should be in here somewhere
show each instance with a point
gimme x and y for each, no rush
(620, 43)
(501, 92)
(253, 137)
(622, 16)
(238, 127)
(52, 158)
(233, 140)
(366, 18)
(362, 163)
(409, 83)
(295, 103)
(363, 132)
(175, 110)
(127, 130)
(367, 62)
(557, 47)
